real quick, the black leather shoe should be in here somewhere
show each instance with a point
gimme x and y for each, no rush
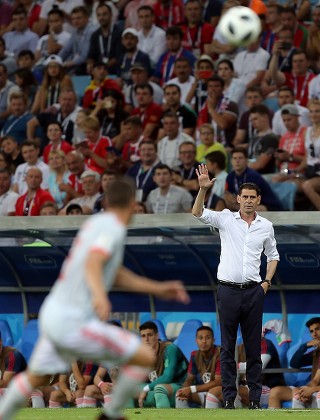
(229, 404)
(104, 417)
(254, 405)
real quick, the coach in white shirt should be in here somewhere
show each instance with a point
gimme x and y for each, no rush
(244, 236)
(8, 198)
(152, 40)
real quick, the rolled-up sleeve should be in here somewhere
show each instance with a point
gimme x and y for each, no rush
(270, 247)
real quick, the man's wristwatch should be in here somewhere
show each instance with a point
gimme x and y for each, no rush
(267, 281)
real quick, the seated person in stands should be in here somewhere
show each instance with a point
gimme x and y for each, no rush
(11, 362)
(167, 198)
(100, 390)
(302, 357)
(216, 164)
(56, 142)
(91, 187)
(49, 209)
(264, 143)
(74, 210)
(30, 203)
(107, 178)
(11, 149)
(203, 372)
(185, 175)
(270, 359)
(71, 385)
(76, 166)
(143, 170)
(170, 370)
(242, 173)
(8, 198)
(208, 143)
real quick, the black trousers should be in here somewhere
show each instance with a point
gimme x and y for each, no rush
(242, 307)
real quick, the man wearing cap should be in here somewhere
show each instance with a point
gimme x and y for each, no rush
(11, 362)
(75, 51)
(152, 39)
(21, 38)
(286, 97)
(139, 75)
(291, 153)
(132, 55)
(56, 38)
(105, 42)
(91, 187)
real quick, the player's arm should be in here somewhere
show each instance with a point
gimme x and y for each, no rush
(167, 290)
(63, 380)
(93, 268)
(209, 385)
(6, 378)
(98, 380)
(81, 380)
(204, 183)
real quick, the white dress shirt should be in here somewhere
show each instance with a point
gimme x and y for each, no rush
(8, 202)
(241, 245)
(21, 172)
(154, 44)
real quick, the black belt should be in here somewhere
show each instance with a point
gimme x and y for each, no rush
(247, 285)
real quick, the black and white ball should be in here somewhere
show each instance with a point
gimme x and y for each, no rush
(240, 26)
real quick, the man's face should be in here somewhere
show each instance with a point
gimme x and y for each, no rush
(146, 19)
(3, 77)
(239, 162)
(67, 102)
(90, 185)
(257, 120)
(30, 154)
(285, 98)
(170, 126)
(253, 98)
(139, 76)
(8, 146)
(248, 201)
(149, 337)
(315, 331)
(132, 132)
(300, 64)
(79, 20)
(172, 96)
(148, 153)
(204, 340)
(291, 122)
(48, 211)
(182, 69)
(55, 23)
(214, 87)
(206, 136)
(99, 73)
(19, 22)
(288, 20)
(129, 42)
(187, 154)
(162, 177)
(74, 163)
(34, 178)
(104, 16)
(272, 15)
(193, 12)
(174, 42)
(106, 180)
(144, 97)
(285, 36)
(18, 107)
(5, 183)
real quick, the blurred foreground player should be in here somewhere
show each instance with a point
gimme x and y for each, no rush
(72, 318)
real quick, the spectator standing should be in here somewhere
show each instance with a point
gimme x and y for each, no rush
(75, 52)
(152, 39)
(273, 21)
(29, 203)
(167, 198)
(21, 38)
(289, 21)
(8, 198)
(240, 298)
(66, 6)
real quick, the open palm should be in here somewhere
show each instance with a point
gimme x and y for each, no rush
(203, 177)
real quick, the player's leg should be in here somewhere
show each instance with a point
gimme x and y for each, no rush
(296, 401)
(91, 395)
(57, 398)
(164, 395)
(214, 398)
(278, 394)
(318, 399)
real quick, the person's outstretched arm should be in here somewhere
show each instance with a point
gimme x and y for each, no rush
(204, 183)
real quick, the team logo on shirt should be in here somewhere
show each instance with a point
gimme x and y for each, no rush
(153, 376)
(72, 383)
(206, 377)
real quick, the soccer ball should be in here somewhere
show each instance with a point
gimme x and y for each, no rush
(240, 26)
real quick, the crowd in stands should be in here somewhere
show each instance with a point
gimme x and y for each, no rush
(163, 92)
(180, 380)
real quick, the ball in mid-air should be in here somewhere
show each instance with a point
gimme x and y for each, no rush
(240, 26)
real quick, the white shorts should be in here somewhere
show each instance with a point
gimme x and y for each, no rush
(105, 344)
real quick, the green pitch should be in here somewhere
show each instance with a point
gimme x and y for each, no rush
(150, 414)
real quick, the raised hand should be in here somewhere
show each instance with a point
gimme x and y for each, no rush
(203, 177)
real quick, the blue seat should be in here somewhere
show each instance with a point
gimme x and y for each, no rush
(161, 330)
(28, 339)
(186, 340)
(6, 334)
(286, 192)
(80, 83)
(272, 103)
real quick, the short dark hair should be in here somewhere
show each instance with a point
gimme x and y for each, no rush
(170, 114)
(4, 68)
(144, 86)
(256, 89)
(298, 52)
(216, 78)
(152, 143)
(80, 9)
(217, 157)
(100, 5)
(288, 9)
(174, 31)
(260, 109)
(26, 53)
(55, 123)
(286, 89)
(168, 85)
(28, 143)
(205, 328)
(3, 42)
(240, 150)
(162, 166)
(133, 120)
(315, 320)
(249, 186)
(120, 193)
(6, 171)
(72, 207)
(56, 11)
(146, 8)
(182, 60)
(226, 61)
(19, 11)
(149, 325)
